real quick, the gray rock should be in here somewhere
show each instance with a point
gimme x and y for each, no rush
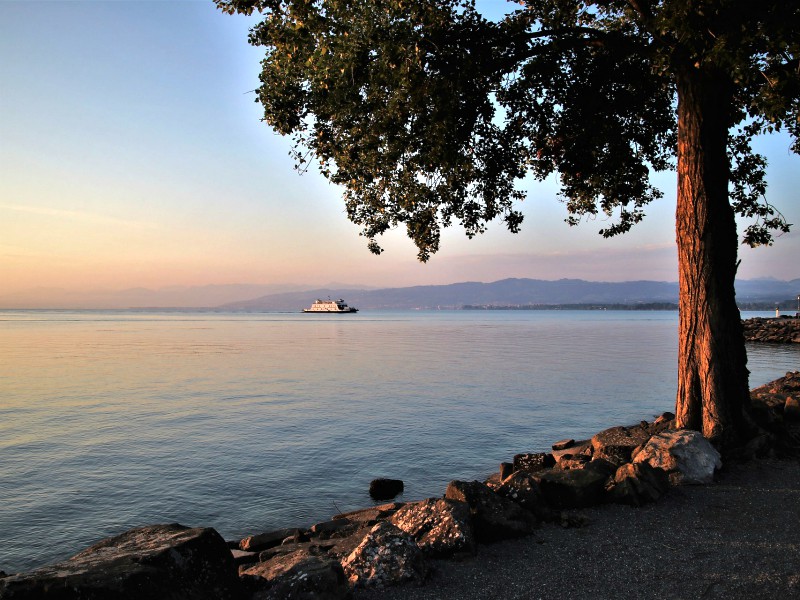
(157, 561)
(342, 546)
(386, 556)
(493, 481)
(440, 527)
(494, 518)
(311, 548)
(664, 420)
(240, 557)
(523, 488)
(506, 469)
(563, 444)
(533, 462)
(603, 466)
(262, 541)
(685, 455)
(327, 528)
(637, 484)
(297, 576)
(617, 443)
(371, 515)
(580, 448)
(576, 488)
(572, 461)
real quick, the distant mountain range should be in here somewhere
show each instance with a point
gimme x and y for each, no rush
(183, 296)
(511, 292)
(504, 293)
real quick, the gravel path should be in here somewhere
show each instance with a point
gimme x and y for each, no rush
(736, 538)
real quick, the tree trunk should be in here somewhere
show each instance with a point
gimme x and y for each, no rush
(713, 393)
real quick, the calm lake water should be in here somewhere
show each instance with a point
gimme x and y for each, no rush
(248, 422)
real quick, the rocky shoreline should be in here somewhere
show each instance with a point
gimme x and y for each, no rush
(396, 544)
(776, 330)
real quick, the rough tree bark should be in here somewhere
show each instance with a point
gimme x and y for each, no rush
(713, 393)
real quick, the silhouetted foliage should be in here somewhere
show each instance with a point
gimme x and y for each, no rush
(425, 112)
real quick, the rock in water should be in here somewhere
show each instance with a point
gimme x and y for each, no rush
(440, 527)
(386, 556)
(157, 561)
(385, 489)
(684, 454)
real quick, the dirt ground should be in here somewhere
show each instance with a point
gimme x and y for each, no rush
(736, 538)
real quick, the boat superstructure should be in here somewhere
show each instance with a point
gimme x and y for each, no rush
(330, 306)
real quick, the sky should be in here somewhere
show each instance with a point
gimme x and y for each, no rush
(132, 155)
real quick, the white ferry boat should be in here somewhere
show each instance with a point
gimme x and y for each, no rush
(330, 306)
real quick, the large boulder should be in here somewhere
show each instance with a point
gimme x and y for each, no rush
(157, 561)
(494, 518)
(386, 556)
(637, 484)
(685, 455)
(575, 488)
(440, 527)
(297, 576)
(618, 443)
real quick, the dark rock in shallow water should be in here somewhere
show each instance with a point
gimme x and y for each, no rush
(158, 561)
(494, 518)
(440, 527)
(385, 489)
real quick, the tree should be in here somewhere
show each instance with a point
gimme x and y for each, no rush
(425, 113)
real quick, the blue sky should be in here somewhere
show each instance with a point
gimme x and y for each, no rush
(132, 154)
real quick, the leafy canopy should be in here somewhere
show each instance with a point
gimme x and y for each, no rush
(426, 112)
